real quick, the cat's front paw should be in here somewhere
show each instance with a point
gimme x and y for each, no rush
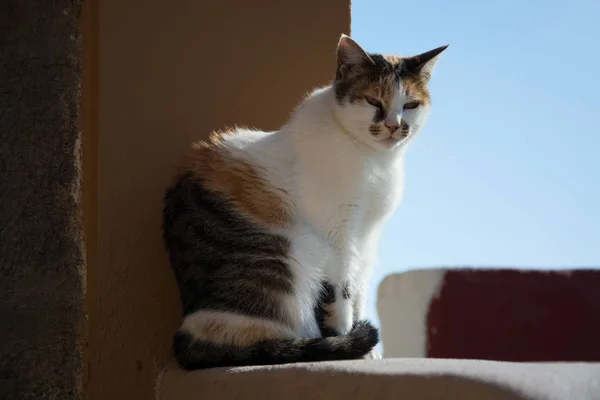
(344, 314)
(373, 355)
(337, 318)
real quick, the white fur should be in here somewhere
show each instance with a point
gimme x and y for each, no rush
(197, 322)
(343, 184)
(356, 119)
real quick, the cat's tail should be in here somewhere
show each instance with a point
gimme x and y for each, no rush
(192, 353)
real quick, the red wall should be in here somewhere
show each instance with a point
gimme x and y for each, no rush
(511, 315)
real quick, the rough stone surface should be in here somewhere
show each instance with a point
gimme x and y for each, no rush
(393, 379)
(41, 278)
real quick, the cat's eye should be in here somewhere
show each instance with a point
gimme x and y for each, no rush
(374, 102)
(411, 105)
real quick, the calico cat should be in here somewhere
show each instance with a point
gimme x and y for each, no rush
(272, 235)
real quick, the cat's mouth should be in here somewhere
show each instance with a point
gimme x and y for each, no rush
(391, 141)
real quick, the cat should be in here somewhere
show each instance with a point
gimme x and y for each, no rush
(272, 235)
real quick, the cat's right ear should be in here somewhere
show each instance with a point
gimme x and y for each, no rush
(350, 55)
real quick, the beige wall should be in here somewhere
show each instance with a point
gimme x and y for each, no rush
(403, 301)
(169, 72)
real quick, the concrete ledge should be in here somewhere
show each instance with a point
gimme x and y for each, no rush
(419, 379)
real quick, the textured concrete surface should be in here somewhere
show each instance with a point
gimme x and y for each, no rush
(415, 379)
(41, 269)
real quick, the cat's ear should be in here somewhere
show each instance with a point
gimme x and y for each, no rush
(350, 54)
(424, 64)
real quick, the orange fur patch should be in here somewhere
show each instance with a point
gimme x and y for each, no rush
(417, 89)
(330, 315)
(383, 88)
(413, 85)
(238, 181)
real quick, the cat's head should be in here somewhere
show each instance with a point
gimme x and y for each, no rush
(382, 100)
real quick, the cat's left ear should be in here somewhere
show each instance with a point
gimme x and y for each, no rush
(350, 55)
(424, 64)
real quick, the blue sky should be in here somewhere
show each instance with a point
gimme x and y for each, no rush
(506, 172)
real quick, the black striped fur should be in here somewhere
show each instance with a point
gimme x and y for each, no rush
(225, 262)
(195, 354)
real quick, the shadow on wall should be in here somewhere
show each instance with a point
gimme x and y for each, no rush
(169, 75)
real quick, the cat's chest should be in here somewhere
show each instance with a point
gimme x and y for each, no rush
(370, 197)
(342, 191)
(378, 187)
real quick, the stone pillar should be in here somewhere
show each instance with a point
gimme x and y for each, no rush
(42, 271)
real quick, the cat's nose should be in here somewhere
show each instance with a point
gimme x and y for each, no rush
(393, 127)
